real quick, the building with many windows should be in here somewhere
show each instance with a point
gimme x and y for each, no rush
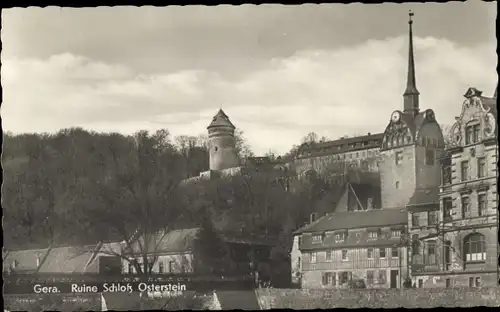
(461, 247)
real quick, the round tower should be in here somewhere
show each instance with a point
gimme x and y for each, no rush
(223, 154)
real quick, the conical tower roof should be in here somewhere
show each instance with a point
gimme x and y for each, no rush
(220, 120)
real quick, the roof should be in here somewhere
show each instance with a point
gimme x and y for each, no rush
(490, 103)
(220, 120)
(357, 219)
(424, 197)
(25, 259)
(353, 239)
(341, 145)
(174, 241)
(68, 259)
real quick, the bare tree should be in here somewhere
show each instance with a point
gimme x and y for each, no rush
(138, 206)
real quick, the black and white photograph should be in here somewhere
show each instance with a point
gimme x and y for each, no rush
(250, 157)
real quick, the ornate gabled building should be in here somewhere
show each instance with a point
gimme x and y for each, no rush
(461, 246)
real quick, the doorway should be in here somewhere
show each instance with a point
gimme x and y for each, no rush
(394, 278)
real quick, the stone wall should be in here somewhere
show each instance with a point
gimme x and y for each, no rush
(381, 298)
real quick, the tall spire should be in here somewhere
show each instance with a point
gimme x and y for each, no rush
(411, 93)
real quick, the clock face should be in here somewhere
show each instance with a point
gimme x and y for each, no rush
(395, 116)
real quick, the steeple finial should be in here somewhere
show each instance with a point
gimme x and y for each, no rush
(411, 93)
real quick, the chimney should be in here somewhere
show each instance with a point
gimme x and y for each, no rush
(312, 217)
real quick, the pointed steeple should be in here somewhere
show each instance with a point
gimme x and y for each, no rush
(411, 93)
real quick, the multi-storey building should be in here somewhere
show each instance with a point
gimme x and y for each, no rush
(409, 178)
(460, 246)
(359, 241)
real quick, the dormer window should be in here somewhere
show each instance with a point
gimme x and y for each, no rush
(317, 238)
(395, 233)
(340, 236)
(373, 234)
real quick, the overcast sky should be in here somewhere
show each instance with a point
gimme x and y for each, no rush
(278, 71)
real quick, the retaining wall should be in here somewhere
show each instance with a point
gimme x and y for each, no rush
(377, 298)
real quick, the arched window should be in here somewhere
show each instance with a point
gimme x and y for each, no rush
(474, 248)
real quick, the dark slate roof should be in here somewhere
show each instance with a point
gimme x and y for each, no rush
(357, 219)
(413, 122)
(353, 240)
(220, 120)
(339, 146)
(424, 197)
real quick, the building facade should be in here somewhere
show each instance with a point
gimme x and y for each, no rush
(346, 249)
(461, 249)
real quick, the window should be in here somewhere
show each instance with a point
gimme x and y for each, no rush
(415, 244)
(329, 255)
(161, 267)
(429, 157)
(340, 236)
(334, 278)
(464, 170)
(482, 204)
(300, 240)
(447, 208)
(327, 278)
(381, 252)
(446, 171)
(477, 281)
(432, 218)
(481, 167)
(397, 185)
(382, 276)
(343, 278)
(369, 203)
(465, 206)
(298, 262)
(395, 233)
(399, 158)
(317, 238)
(469, 135)
(415, 220)
(369, 253)
(37, 261)
(448, 283)
(420, 283)
(475, 133)
(313, 257)
(344, 255)
(431, 253)
(357, 154)
(394, 252)
(369, 277)
(130, 267)
(171, 266)
(474, 248)
(372, 234)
